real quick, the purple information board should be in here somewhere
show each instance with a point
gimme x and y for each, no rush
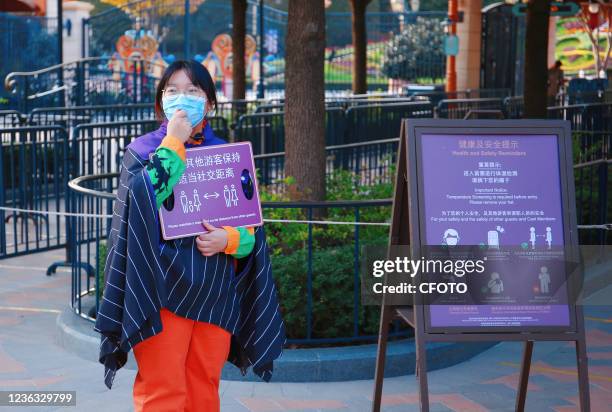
(219, 185)
(502, 193)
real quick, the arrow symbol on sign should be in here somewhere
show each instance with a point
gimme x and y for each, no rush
(209, 195)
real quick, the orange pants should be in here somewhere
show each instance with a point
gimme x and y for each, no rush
(179, 368)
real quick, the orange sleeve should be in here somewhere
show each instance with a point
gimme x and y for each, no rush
(175, 144)
(233, 239)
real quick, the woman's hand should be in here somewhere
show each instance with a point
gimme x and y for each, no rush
(213, 242)
(179, 126)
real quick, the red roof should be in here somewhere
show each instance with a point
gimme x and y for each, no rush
(35, 7)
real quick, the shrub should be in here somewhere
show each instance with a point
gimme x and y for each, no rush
(332, 293)
(102, 252)
(333, 264)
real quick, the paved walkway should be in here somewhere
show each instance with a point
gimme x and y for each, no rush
(30, 359)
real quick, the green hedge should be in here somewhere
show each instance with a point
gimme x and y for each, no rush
(333, 266)
(332, 293)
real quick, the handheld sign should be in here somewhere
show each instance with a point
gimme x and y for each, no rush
(219, 185)
(504, 190)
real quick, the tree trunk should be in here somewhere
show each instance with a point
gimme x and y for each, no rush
(536, 64)
(305, 99)
(360, 41)
(238, 34)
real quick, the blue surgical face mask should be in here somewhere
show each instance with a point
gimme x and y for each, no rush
(192, 105)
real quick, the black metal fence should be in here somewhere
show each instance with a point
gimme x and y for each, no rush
(89, 81)
(436, 96)
(584, 117)
(459, 108)
(35, 170)
(69, 117)
(265, 131)
(381, 121)
(361, 138)
(514, 107)
(38, 161)
(232, 110)
(593, 182)
(303, 281)
(360, 123)
(99, 147)
(312, 294)
(11, 118)
(27, 42)
(371, 162)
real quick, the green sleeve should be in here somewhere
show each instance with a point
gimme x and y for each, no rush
(165, 170)
(247, 241)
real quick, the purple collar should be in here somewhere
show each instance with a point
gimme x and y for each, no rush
(147, 143)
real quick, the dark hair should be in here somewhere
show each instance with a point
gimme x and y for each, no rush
(558, 63)
(196, 72)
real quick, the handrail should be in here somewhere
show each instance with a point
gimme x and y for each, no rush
(75, 184)
(260, 109)
(458, 92)
(9, 80)
(377, 99)
(513, 98)
(394, 104)
(470, 100)
(579, 105)
(22, 118)
(242, 101)
(335, 147)
(82, 59)
(66, 110)
(279, 112)
(91, 107)
(116, 123)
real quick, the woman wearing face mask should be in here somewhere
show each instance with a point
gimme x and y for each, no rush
(187, 305)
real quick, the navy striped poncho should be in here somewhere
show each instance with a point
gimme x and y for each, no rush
(143, 273)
